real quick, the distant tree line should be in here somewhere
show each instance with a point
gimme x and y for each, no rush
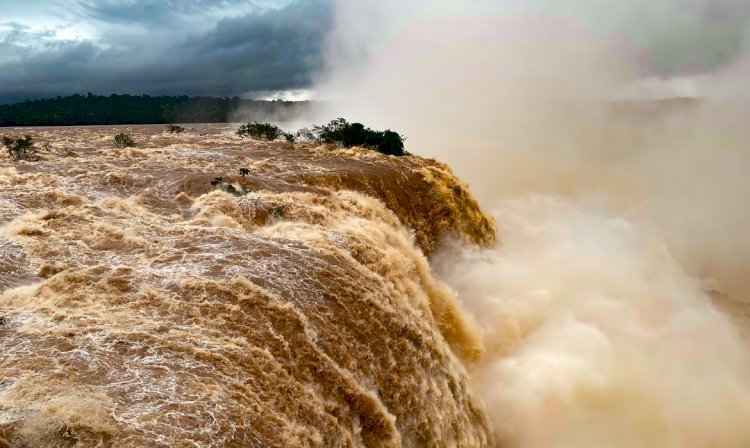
(129, 109)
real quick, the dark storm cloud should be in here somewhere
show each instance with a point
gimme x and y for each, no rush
(263, 50)
(288, 44)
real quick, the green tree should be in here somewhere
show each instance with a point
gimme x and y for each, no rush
(260, 131)
(341, 132)
(21, 148)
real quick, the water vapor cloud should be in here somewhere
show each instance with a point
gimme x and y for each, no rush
(612, 311)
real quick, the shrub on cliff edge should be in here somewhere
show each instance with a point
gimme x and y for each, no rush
(337, 132)
(260, 131)
(340, 131)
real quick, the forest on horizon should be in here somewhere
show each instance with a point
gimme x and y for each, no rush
(90, 109)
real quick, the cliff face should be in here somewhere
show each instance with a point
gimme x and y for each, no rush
(143, 306)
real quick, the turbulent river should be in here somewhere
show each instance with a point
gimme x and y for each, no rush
(143, 306)
(326, 297)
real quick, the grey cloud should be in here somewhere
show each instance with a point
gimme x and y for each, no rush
(154, 11)
(15, 32)
(14, 26)
(273, 50)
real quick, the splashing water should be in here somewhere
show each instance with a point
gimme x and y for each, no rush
(614, 311)
(140, 308)
(596, 336)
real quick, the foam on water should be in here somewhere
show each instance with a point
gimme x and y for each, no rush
(144, 309)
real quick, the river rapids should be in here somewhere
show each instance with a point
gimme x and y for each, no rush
(143, 306)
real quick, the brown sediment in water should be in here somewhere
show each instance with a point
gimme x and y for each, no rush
(141, 308)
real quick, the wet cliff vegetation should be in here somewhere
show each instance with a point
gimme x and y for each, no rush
(143, 304)
(337, 132)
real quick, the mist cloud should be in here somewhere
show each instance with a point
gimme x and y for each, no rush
(614, 306)
(676, 37)
(666, 37)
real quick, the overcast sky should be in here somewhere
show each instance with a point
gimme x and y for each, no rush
(256, 48)
(194, 47)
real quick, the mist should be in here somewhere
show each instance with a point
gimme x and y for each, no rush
(614, 309)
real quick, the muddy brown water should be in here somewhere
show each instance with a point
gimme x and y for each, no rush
(142, 307)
